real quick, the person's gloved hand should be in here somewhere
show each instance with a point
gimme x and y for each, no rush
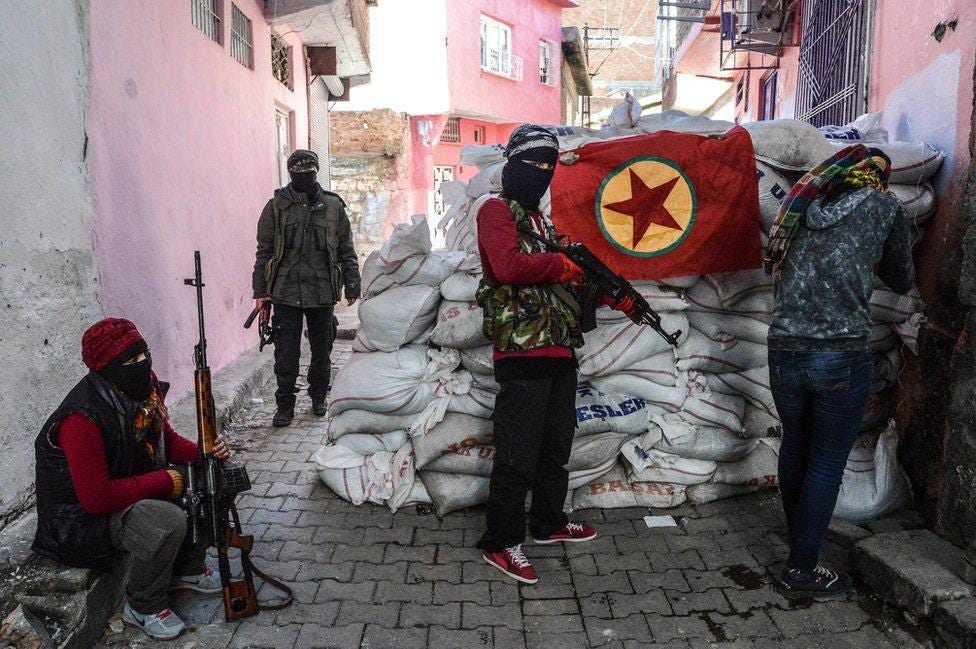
(178, 474)
(571, 272)
(626, 306)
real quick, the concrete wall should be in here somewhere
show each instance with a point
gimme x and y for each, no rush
(182, 146)
(48, 280)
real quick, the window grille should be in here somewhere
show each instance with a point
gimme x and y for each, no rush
(452, 130)
(205, 15)
(281, 61)
(241, 43)
(496, 46)
(767, 95)
(834, 50)
(546, 73)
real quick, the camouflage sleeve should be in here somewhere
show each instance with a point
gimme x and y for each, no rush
(897, 270)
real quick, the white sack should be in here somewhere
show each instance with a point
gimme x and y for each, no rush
(729, 325)
(733, 288)
(876, 411)
(406, 260)
(626, 113)
(888, 306)
(701, 494)
(482, 155)
(883, 336)
(459, 326)
(758, 469)
(396, 317)
(350, 422)
(586, 476)
(752, 384)
(657, 466)
(612, 347)
(478, 360)
(466, 460)
(714, 409)
(488, 180)
(703, 297)
(455, 431)
(772, 190)
(658, 368)
(593, 451)
(789, 144)
(662, 299)
(872, 489)
(657, 396)
(451, 492)
(612, 490)
(597, 412)
(684, 439)
(919, 200)
(758, 422)
(369, 468)
(911, 162)
(460, 287)
(908, 331)
(699, 352)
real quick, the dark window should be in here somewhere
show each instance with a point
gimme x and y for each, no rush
(241, 39)
(479, 134)
(767, 95)
(205, 15)
(834, 51)
(452, 130)
(281, 61)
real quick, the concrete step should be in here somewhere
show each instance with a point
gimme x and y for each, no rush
(918, 571)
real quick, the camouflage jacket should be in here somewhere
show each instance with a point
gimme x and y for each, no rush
(822, 299)
(520, 318)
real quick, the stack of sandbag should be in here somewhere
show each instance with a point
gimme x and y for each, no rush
(656, 426)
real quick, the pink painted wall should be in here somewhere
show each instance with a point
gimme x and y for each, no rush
(479, 93)
(182, 149)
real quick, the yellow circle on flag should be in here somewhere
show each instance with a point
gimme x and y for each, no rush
(646, 206)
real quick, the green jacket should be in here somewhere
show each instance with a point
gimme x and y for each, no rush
(312, 248)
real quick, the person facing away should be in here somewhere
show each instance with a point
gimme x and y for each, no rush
(836, 227)
(533, 322)
(107, 483)
(305, 259)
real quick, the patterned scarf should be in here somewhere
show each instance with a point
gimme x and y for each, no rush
(850, 168)
(150, 420)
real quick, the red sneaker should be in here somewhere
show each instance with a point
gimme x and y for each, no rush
(572, 533)
(513, 563)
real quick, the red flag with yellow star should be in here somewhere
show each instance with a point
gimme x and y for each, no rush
(663, 205)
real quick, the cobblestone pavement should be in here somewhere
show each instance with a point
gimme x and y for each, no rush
(367, 578)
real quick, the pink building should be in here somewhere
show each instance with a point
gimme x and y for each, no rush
(914, 62)
(147, 130)
(465, 73)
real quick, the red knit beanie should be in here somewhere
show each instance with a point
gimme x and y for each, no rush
(106, 339)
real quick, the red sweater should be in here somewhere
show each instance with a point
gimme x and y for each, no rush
(503, 262)
(98, 492)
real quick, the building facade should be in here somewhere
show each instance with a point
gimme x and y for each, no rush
(460, 73)
(132, 148)
(827, 62)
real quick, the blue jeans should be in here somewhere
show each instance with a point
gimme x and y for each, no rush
(820, 397)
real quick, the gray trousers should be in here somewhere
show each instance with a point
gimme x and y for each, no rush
(153, 535)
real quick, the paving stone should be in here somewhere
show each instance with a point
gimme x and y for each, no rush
(472, 572)
(331, 590)
(392, 572)
(553, 623)
(442, 638)
(665, 629)
(956, 623)
(253, 635)
(324, 614)
(378, 637)
(584, 564)
(742, 600)
(729, 557)
(752, 624)
(422, 554)
(508, 638)
(669, 579)
(425, 615)
(550, 607)
(317, 571)
(688, 559)
(596, 605)
(314, 636)
(434, 537)
(544, 590)
(503, 592)
(273, 517)
(358, 553)
(476, 592)
(607, 563)
(654, 601)
(296, 551)
(386, 591)
(607, 632)
(330, 534)
(828, 617)
(385, 615)
(700, 581)
(846, 534)
(687, 603)
(555, 640)
(613, 582)
(450, 573)
(476, 615)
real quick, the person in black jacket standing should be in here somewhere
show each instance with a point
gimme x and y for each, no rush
(305, 259)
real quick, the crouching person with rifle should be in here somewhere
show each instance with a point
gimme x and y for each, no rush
(534, 321)
(108, 480)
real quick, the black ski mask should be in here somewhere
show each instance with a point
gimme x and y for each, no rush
(305, 182)
(527, 183)
(135, 379)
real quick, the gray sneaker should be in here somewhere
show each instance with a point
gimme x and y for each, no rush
(164, 625)
(206, 582)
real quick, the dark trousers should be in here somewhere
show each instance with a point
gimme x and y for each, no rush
(287, 323)
(534, 423)
(820, 397)
(153, 533)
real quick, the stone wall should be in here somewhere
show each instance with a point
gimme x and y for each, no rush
(370, 160)
(48, 279)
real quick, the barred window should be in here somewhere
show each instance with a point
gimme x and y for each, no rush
(205, 15)
(546, 72)
(281, 61)
(452, 130)
(241, 41)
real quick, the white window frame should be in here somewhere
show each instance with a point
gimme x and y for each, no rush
(283, 146)
(496, 47)
(547, 63)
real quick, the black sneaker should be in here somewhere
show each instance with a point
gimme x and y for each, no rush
(320, 407)
(821, 582)
(283, 416)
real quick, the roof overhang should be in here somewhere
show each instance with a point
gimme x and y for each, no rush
(343, 24)
(574, 55)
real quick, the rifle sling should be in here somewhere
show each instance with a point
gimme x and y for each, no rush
(263, 576)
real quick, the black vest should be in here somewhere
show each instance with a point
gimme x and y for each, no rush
(65, 531)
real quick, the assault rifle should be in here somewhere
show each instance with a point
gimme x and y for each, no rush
(599, 279)
(213, 485)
